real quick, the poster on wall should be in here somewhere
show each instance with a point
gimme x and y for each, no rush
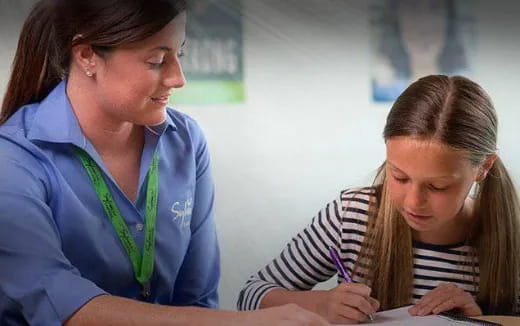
(415, 38)
(213, 54)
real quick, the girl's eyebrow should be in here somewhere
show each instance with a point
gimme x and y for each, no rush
(436, 177)
(395, 167)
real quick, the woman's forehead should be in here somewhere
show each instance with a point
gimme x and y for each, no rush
(171, 36)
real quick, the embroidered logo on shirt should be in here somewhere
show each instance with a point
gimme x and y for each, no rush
(182, 212)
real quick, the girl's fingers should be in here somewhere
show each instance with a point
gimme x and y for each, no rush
(433, 299)
(357, 288)
(375, 304)
(449, 304)
(348, 313)
(358, 302)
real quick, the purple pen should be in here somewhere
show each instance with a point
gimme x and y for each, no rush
(339, 265)
(341, 269)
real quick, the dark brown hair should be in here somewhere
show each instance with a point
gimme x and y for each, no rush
(44, 49)
(458, 113)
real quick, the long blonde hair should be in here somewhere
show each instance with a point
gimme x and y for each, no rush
(458, 113)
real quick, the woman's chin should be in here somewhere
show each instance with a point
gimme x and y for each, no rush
(154, 119)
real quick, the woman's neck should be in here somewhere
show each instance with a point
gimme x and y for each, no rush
(107, 133)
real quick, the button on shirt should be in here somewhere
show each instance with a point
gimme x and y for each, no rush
(58, 248)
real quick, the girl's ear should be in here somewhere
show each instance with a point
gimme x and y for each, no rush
(485, 167)
(84, 57)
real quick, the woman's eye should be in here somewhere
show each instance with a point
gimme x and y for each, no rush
(156, 64)
(180, 53)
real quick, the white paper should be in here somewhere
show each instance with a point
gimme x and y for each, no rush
(401, 317)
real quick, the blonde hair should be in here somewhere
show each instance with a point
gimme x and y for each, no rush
(458, 113)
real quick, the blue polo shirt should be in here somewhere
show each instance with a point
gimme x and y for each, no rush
(58, 249)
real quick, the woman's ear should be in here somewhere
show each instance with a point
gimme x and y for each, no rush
(84, 57)
(486, 166)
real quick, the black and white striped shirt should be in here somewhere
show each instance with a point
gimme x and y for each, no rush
(305, 260)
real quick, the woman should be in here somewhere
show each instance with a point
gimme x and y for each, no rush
(419, 235)
(106, 195)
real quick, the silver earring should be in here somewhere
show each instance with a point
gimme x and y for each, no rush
(89, 73)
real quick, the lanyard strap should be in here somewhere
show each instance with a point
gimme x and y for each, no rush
(142, 265)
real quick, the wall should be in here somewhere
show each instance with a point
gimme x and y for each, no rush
(308, 128)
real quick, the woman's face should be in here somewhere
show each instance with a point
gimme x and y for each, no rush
(134, 81)
(428, 183)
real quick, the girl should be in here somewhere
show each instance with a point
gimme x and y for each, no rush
(106, 195)
(438, 229)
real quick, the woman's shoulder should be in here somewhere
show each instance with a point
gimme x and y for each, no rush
(19, 124)
(14, 143)
(22, 165)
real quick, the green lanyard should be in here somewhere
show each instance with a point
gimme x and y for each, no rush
(143, 265)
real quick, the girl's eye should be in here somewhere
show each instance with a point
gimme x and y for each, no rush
(180, 54)
(434, 188)
(400, 180)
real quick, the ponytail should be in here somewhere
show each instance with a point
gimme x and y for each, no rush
(37, 65)
(497, 239)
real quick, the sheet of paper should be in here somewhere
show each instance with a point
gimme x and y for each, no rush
(401, 317)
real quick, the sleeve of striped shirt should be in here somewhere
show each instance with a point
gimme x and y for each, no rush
(302, 264)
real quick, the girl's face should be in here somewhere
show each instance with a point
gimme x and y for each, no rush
(429, 184)
(134, 81)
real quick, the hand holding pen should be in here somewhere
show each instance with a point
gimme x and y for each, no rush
(348, 302)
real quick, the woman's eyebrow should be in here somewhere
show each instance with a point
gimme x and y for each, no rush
(166, 48)
(163, 48)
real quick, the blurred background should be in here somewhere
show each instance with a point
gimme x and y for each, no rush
(293, 96)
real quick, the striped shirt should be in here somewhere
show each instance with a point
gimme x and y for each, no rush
(305, 260)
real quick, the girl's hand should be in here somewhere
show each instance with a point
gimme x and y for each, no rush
(445, 297)
(347, 303)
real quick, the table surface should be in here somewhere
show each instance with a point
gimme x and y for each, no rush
(504, 320)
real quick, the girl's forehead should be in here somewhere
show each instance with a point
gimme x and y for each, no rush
(426, 157)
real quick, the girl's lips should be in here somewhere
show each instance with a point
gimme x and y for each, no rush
(417, 216)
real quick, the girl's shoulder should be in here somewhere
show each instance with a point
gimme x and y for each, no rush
(365, 195)
(357, 204)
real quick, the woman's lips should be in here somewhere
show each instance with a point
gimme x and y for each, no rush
(161, 100)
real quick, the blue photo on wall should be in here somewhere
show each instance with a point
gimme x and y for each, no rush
(415, 38)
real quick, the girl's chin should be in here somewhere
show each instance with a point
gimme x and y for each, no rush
(422, 223)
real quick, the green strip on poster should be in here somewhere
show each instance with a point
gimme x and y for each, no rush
(209, 92)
